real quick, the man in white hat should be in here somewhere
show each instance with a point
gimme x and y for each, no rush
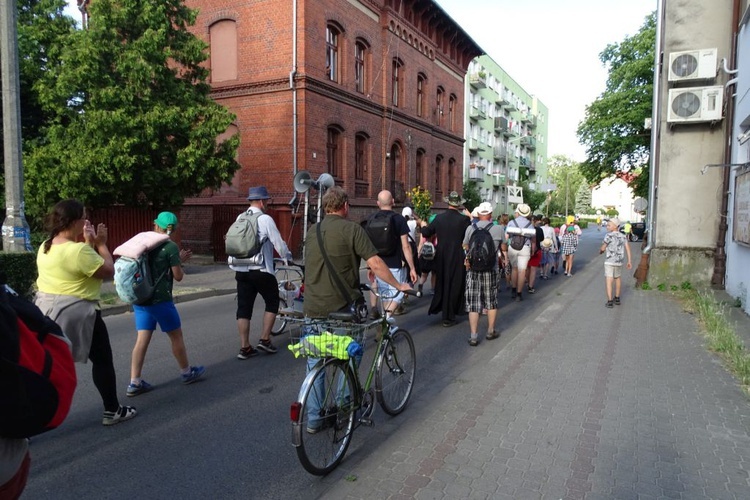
(481, 284)
(524, 232)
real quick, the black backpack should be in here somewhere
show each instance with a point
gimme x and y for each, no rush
(382, 232)
(481, 255)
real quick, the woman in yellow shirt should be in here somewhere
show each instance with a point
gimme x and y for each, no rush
(70, 278)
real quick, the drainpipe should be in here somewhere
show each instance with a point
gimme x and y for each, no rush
(293, 86)
(655, 134)
(718, 279)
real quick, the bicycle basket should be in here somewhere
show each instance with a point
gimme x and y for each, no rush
(328, 340)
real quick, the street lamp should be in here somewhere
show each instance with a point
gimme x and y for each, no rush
(567, 173)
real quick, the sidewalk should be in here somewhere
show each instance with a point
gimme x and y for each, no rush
(581, 402)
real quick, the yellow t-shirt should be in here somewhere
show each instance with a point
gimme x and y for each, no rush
(67, 268)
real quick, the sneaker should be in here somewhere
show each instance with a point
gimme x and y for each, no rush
(267, 346)
(122, 414)
(473, 342)
(513, 293)
(532, 290)
(492, 335)
(247, 352)
(314, 429)
(134, 390)
(195, 373)
(617, 301)
(609, 304)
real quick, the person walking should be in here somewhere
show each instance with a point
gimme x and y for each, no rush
(481, 285)
(550, 249)
(395, 250)
(535, 262)
(569, 233)
(255, 275)
(69, 284)
(166, 261)
(519, 257)
(616, 246)
(450, 285)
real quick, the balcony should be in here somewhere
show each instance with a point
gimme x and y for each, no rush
(498, 179)
(501, 124)
(478, 80)
(476, 174)
(511, 105)
(532, 121)
(528, 142)
(477, 112)
(502, 98)
(474, 145)
(499, 152)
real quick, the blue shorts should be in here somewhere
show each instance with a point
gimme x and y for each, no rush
(163, 313)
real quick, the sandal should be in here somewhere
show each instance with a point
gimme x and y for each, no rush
(492, 335)
(473, 342)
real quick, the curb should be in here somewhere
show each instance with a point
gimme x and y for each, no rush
(124, 308)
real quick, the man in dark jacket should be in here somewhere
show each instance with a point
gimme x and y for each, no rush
(449, 269)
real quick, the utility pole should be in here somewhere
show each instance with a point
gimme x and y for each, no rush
(16, 234)
(567, 173)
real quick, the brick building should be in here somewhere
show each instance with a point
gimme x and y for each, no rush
(370, 91)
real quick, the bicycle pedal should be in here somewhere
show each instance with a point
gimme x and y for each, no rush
(367, 421)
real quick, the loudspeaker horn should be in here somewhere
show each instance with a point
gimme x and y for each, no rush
(302, 181)
(325, 181)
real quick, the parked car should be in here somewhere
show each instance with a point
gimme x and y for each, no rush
(637, 230)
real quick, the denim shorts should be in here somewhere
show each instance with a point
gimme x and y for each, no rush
(164, 314)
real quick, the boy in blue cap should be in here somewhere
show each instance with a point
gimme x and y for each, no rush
(165, 260)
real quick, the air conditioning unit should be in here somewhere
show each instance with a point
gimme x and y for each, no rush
(692, 65)
(695, 104)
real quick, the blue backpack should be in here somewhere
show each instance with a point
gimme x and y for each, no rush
(134, 279)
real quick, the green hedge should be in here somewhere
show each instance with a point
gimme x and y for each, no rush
(20, 269)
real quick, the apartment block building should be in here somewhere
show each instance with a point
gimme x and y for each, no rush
(368, 91)
(506, 135)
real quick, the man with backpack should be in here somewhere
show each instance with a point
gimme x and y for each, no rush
(389, 232)
(165, 261)
(255, 273)
(481, 242)
(519, 245)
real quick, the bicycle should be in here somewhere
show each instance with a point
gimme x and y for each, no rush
(290, 278)
(332, 401)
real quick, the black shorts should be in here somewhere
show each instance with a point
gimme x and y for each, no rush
(425, 266)
(249, 285)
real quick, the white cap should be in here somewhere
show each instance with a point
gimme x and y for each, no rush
(484, 208)
(407, 212)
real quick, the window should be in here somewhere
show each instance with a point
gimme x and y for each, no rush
(334, 151)
(360, 50)
(438, 171)
(452, 113)
(439, 103)
(332, 53)
(396, 81)
(420, 94)
(360, 146)
(223, 46)
(419, 166)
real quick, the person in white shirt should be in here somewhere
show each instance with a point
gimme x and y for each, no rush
(255, 275)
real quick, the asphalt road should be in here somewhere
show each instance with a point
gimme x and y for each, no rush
(228, 436)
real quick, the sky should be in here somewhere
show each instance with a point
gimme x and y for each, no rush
(549, 47)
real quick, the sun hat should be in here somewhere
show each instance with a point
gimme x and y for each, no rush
(258, 193)
(475, 213)
(615, 221)
(484, 208)
(570, 219)
(523, 210)
(546, 243)
(166, 221)
(454, 199)
(407, 212)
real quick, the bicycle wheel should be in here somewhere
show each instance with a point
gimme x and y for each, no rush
(326, 418)
(394, 379)
(280, 322)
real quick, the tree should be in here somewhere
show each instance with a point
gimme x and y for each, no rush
(133, 122)
(565, 175)
(471, 195)
(613, 130)
(583, 199)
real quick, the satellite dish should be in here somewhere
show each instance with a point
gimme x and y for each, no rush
(302, 181)
(640, 204)
(325, 181)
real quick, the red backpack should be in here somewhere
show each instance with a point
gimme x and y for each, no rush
(37, 372)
